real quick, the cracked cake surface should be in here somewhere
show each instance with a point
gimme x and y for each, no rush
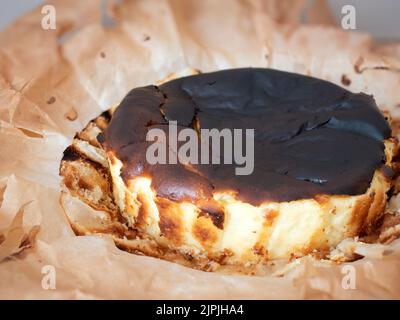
(322, 168)
(311, 136)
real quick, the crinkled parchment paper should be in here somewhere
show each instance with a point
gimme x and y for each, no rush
(52, 82)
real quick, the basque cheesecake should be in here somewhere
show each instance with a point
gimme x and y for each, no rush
(323, 164)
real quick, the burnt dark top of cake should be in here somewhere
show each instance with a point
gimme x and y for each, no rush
(311, 136)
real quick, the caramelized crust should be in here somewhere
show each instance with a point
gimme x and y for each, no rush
(211, 234)
(222, 231)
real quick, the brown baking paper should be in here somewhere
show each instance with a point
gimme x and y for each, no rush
(52, 82)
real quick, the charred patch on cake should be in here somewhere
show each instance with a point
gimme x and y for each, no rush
(387, 172)
(214, 211)
(70, 154)
(106, 115)
(100, 138)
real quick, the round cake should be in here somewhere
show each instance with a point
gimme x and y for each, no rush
(321, 165)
